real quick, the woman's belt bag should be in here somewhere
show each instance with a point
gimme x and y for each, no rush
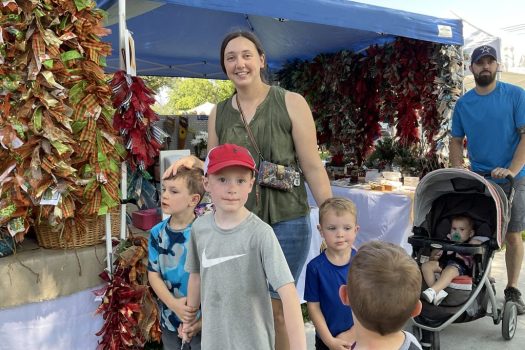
(278, 176)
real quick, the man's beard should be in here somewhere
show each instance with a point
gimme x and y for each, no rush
(485, 79)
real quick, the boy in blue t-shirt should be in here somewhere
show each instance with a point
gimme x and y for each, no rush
(168, 247)
(326, 273)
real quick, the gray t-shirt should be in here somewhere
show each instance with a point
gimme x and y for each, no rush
(235, 267)
(410, 342)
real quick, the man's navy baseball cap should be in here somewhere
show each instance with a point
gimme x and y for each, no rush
(483, 51)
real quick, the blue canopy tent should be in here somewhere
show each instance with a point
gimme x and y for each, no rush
(182, 37)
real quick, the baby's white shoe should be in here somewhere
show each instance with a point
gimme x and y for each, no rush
(429, 295)
(440, 297)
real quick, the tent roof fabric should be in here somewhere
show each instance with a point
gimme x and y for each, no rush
(183, 37)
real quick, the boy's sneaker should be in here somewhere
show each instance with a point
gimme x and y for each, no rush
(440, 297)
(514, 295)
(428, 295)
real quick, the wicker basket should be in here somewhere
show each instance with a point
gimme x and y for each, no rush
(94, 233)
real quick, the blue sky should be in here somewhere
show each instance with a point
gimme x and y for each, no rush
(489, 15)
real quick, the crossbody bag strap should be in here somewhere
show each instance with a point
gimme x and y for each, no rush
(248, 130)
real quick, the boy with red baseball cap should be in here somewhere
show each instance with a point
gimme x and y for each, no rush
(232, 257)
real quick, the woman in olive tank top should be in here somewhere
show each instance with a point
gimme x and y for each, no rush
(284, 130)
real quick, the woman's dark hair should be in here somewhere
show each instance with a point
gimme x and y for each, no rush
(250, 36)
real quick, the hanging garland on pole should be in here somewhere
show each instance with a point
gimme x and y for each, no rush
(134, 118)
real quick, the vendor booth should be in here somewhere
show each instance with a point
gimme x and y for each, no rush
(288, 29)
(182, 38)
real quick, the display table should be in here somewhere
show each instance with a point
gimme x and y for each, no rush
(385, 216)
(46, 299)
(68, 322)
(36, 274)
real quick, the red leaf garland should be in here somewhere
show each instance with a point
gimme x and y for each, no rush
(134, 118)
(351, 93)
(126, 299)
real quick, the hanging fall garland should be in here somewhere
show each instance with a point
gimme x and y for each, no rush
(131, 316)
(60, 156)
(134, 118)
(402, 83)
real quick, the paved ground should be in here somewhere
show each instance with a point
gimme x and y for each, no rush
(479, 334)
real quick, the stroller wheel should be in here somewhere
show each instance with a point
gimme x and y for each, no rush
(510, 320)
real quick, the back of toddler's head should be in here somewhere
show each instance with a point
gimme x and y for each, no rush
(384, 285)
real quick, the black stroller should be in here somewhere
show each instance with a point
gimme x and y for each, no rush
(439, 196)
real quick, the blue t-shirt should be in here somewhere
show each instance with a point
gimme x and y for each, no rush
(322, 283)
(490, 123)
(167, 250)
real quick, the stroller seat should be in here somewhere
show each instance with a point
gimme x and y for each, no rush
(458, 291)
(461, 283)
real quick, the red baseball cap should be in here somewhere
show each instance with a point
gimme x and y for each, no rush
(227, 155)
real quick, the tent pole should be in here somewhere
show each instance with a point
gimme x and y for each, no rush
(109, 246)
(124, 65)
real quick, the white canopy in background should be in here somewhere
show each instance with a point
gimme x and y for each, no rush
(510, 48)
(474, 37)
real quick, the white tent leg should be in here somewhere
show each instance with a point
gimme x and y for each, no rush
(109, 247)
(124, 190)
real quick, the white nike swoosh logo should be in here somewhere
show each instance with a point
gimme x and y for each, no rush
(216, 261)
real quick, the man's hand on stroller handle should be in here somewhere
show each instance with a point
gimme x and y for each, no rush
(501, 173)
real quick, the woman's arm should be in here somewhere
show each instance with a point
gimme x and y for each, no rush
(305, 141)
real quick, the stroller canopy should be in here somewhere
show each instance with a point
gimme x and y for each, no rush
(444, 182)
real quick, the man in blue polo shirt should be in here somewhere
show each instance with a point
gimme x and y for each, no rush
(492, 118)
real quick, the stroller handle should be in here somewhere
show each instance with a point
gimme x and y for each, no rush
(509, 178)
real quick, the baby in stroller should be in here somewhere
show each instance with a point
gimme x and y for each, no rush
(451, 264)
(441, 197)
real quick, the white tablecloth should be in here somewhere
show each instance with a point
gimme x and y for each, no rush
(383, 216)
(64, 323)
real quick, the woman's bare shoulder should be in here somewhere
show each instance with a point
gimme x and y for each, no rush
(297, 106)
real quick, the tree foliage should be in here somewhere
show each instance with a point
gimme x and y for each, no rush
(185, 93)
(158, 83)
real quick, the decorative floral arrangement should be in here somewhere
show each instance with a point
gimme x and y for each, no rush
(403, 83)
(60, 156)
(200, 143)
